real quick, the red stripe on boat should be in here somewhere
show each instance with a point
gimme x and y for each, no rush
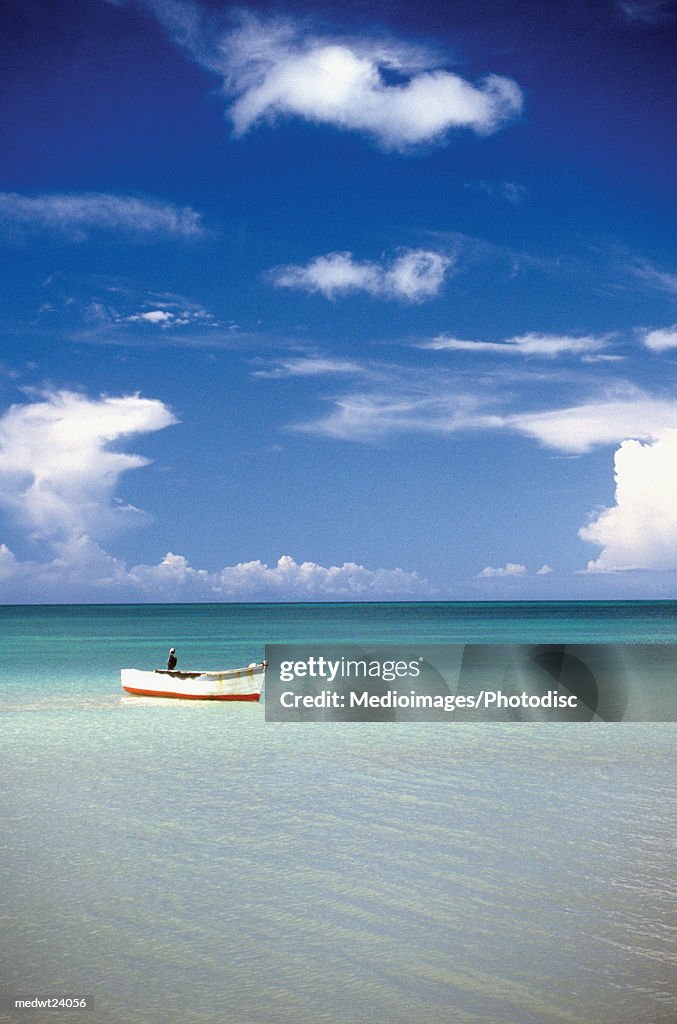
(192, 696)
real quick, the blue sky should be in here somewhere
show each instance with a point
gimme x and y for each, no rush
(342, 301)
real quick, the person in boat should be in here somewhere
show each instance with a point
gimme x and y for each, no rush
(171, 660)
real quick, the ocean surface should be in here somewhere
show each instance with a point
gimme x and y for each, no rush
(188, 862)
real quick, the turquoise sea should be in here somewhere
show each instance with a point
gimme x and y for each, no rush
(189, 862)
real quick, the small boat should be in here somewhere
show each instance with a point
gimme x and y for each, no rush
(231, 684)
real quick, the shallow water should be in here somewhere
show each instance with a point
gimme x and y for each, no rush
(193, 863)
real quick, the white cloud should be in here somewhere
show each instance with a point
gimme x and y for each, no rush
(416, 275)
(640, 530)
(154, 316)
(342, 84)
(331, 275)
(169, 315)
(275, 67)
(8, 563)
(548, 346)
(413, 276)
(58, 474)
(287, 580)
(410, 400)
(580, 428)
(545, 570)
(661, 280)
(662, 339)
(82, 571)
(510, 569)
(372, 416)
(76, 216)
(116, 314)
(510, 191)
(309, 366)
(647, 12)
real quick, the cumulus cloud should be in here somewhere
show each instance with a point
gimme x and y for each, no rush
(75, 217)
(640, 530)
(58, 470)
(547, 346)
(397, 94)
(413, 276)
(510, 569)
(275, 70)
(84, 571)
(286, 580)
(662, 339)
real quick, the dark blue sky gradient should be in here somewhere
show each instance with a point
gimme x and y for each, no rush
(98, 98)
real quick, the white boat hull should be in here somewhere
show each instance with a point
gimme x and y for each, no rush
(231, 684)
